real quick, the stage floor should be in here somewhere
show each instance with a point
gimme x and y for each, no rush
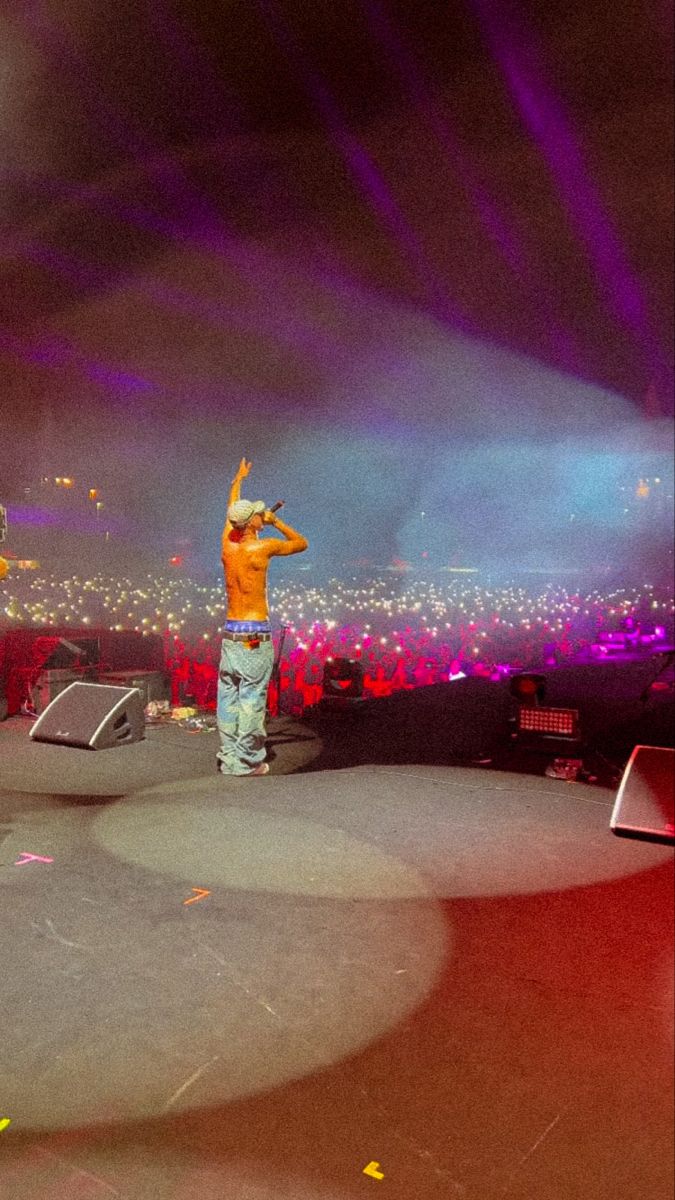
(256, 989)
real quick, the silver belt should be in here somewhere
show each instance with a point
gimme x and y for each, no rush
(247, 637)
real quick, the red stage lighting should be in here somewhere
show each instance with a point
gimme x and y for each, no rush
(549, 722)
(528, 688)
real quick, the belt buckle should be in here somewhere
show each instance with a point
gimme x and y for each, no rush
(253, 642)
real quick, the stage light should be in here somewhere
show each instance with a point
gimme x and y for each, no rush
(549, 722)
(343, 680)
(529, 689)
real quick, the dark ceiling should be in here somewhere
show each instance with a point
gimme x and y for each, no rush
(401, 143)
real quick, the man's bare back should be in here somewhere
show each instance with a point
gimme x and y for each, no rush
(245, 579)
(246, 559)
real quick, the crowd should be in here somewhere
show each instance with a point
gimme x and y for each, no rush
(405, 632)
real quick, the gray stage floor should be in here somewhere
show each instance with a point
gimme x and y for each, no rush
(255, 989)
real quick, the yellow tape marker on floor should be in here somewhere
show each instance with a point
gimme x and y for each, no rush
(4, 1122)
(372, 1170)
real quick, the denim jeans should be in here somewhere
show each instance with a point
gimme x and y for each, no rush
(242, 701)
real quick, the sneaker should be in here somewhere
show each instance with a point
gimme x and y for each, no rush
(261, 769)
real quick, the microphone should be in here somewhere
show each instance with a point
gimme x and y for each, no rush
(279, 504)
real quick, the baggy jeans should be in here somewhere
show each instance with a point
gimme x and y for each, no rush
(242, 701)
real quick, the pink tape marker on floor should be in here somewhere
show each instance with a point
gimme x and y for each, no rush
(26, 858)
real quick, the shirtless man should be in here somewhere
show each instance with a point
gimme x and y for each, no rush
(247, 653)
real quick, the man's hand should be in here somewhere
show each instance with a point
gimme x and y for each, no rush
(293, 542)
(235, 489)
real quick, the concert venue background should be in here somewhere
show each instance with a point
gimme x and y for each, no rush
(370, 921)
(413, 260)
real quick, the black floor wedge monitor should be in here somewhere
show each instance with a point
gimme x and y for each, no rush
(644, 806)
(93, 716)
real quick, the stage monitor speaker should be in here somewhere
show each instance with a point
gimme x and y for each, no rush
(644, 806)
(153, 685)
(85, 652)
(94, 716)
(49, 685)
(343, 679)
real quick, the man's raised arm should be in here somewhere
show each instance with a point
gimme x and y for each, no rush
(235, 490)
(295, 543)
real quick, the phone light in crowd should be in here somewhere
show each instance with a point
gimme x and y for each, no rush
(93, 493)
